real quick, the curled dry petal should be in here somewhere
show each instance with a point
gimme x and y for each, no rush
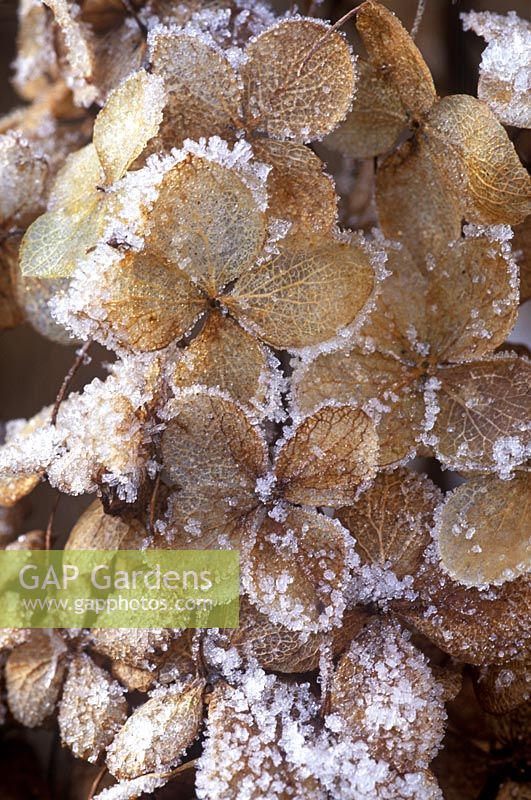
(92, 709)
(207, 222)
(477, 160)
(297, 570)
(395, 56)
(137, 647)
(158, 732)
(483, 417)
(414, 205)
(392, 519)
(96, 530)
(202, 87)
(483, 530)
(212, 455)
(210, 361)
(298, 80)
(376, 120)
(385, 693)
(130, 118)
(329, 455)
(306, 293)
(34, 674)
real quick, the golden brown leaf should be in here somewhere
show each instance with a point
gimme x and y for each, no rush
(137, 647)
(476, 158)
(522, 252)
(298, 80)
(76, 50)
(376, 120)
(212, 455)
(203, 93)
(483, 530)
(385, 693)
(297, 570)
(391, 520)
(210, 361)
(414, 206)
(23, 174)
(395, 56)
(11, 314)
(34, 674)
(96, 530)
(33, 296)
(207, 222)
(298, 189)
(92, 709)
(472, 301)
(306, 293)
(129, 119)
(329, 455)
(149, 301)
(484, 414)
(172, 718)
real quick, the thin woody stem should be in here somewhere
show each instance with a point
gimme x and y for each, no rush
(421, 6)
(67, 380)
(49, 527)
(345, 18)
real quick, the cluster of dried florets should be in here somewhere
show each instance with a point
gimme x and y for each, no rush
(274, 377)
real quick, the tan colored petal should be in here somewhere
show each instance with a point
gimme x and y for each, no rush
(34, 674)
(129, 119)
(23, 174)
(298, 189)
(483, 421)
(483, 530)
(376, 120)
(158, 732)
(504, 64)
(329, 455)
(212, 455)
(477, 627)
(151, 302)
(476, 158)
(226, 357)
(33, 296)
(92, 709)
(76, 50)
(78, 177)
(298, 80)
(500, 689)
(306, 293)
(244, 750)
(414, 206)
(297, 570)
(397, 324)
(386, 695)
(207, 221)
(358, 377)
(136, 647)
(96, 530)
(11, 314)
(203, 90)
(118, 52)
(393, 53)
(392, 519)
(278, 648)
(35, 65)
(472, 299)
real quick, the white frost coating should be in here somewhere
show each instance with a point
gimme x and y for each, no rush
(130, 790)
(505, 70)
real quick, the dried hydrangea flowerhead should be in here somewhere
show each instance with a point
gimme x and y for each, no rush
(80, 204)
(459, 149)
(293, 83)
(425, 361)
(225, 492)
